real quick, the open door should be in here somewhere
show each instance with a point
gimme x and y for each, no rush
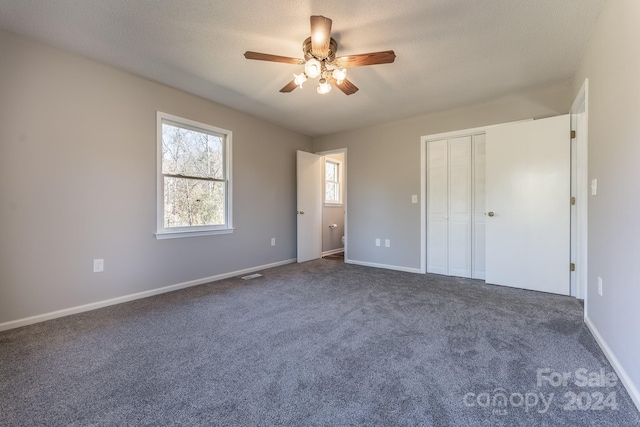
(528, 205)
(309, 213)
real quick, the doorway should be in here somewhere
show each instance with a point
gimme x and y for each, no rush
(333, 207)
(322, 205)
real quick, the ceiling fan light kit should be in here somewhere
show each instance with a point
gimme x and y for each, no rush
(324, 87)
(313, 68)
(339, 74)
(320, 60)
(299, 79)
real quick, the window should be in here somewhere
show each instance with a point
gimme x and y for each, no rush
(194, 178)
(332, 179)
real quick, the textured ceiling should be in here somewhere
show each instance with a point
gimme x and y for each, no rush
(449, 52)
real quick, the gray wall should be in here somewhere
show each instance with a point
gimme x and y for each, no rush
(78, 182)
(612, 64)
(332, 237)
(384, 170)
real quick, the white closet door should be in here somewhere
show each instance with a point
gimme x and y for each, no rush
(479, 206)
(449, 206)
(437, 206)
(528, 183)
(460, 206)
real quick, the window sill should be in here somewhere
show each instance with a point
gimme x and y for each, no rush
(195, 233)
(333, 205)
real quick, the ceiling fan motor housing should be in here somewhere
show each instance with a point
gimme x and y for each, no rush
(308, 53)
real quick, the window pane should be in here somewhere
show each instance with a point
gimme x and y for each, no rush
(191, 153)
(192, 202)
(331, 192)
(331, 171)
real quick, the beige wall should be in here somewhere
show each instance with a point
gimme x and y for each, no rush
(612, 65)
(78, 182)
(384, 170)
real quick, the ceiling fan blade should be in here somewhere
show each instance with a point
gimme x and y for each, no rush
(346, 86)
(320, 35)
(385, 57)
(273, 58)
(289, 86)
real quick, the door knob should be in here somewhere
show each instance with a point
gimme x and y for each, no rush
(491, 213)
(301, 212)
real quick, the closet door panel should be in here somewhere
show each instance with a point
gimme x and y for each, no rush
(437, 207)
(460, 206)
(479, 206)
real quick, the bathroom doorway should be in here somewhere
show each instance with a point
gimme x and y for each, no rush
(334, 204)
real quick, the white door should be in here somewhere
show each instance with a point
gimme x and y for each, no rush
(437, 207)
(528, 205)
(479, 206)
(449, 206)
(309, 190)
(460, 206)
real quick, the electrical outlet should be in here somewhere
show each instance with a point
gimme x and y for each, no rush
(600, 286)
(387, 243)
(377, 242)
(98, 265)
(273, 241)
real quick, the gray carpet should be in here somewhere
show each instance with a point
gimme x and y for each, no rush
(321, 343)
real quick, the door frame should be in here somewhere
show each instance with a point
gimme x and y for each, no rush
(580, 164)
(345, 177)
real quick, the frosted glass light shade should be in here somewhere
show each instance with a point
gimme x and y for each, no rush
(312, 68)
(324, 87)
(339, 74)
(299, 79)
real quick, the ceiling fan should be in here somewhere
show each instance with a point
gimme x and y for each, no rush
(320, 60)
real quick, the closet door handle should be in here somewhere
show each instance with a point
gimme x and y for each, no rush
(490, 213)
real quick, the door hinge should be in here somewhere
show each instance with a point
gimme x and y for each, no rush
(573, 134)
(572, 267)
(573, 201)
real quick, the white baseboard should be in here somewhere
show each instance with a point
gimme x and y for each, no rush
(385, 266)
(333, 251)
(620, 371)
(99, 304)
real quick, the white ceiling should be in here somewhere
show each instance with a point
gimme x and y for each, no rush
(449, 52)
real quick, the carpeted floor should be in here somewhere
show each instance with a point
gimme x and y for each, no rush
(319, 343)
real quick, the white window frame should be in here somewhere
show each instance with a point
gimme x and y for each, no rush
(339, 182)
(163, 232)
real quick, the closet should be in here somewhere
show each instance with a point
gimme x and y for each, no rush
(456, 206)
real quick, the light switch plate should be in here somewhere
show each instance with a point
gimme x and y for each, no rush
(594, 187)
(98, 265)
(600, 286)
(414, 198)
